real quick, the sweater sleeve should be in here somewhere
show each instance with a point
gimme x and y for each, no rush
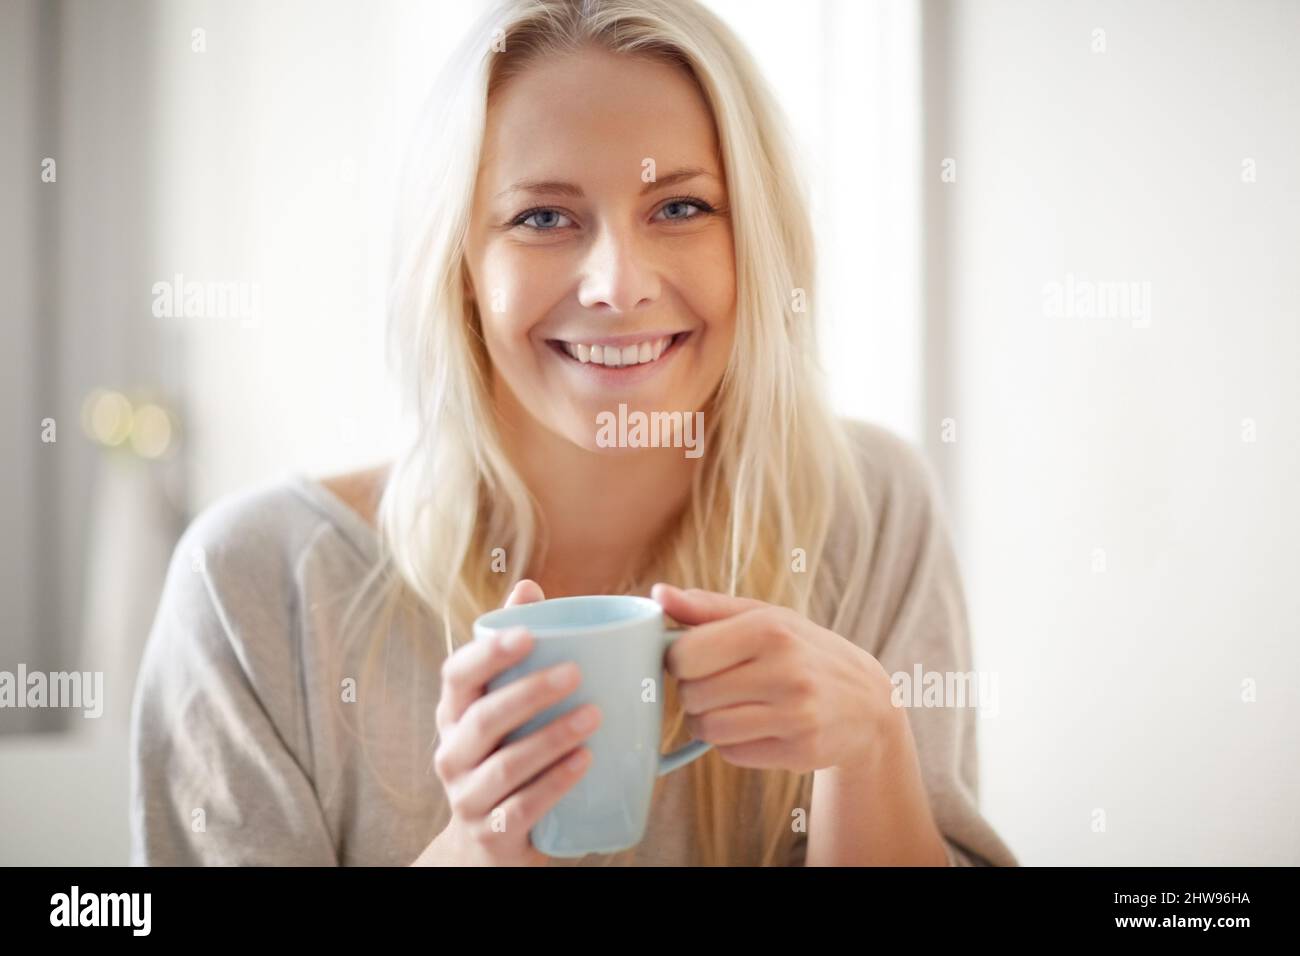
(217, 744)
(914, 618)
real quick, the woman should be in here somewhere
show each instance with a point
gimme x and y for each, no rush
(603, 214)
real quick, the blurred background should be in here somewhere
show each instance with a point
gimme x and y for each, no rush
(1059, 252)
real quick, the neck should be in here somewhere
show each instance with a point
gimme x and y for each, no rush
(602, 512)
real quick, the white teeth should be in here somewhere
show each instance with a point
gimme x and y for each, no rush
(612, 356)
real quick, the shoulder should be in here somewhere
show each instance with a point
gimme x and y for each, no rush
(231, 610)
(224, 654)
(250, 533)
(240, 556)
(892, 470)
(889, 523)
(891, 561)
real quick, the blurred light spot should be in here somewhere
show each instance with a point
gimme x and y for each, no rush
(151, 431)
(106, 416)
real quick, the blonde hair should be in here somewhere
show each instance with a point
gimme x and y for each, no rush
(779, 466)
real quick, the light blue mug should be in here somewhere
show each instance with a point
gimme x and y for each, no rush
(618, 643)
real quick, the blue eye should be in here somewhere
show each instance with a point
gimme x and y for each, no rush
(523, 217)
(549, 219)
(686, 202)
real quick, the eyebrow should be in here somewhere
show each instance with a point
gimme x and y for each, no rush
(559, 188)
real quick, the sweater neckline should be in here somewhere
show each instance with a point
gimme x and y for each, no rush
(356, 529)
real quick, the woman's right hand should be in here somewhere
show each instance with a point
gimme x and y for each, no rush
(497, 793)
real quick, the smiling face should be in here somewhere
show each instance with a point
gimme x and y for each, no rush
(595, 286)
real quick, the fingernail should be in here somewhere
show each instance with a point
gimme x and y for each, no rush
(583, 720)
(512, 640)
(563, 675)
(577, 761)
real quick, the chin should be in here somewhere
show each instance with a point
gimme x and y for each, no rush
(584, 433)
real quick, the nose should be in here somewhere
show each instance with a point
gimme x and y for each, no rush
(618, 274)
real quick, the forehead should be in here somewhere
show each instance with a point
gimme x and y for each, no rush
(603, 110)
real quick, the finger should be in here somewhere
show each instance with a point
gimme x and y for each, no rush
(696, 606)
(525, 807)
(494, 715)
(761, 680)
(525, 592)
(514, 766)
(770, 753)
(711, 648)
(741, 724)
(469, 676)
(465, 673)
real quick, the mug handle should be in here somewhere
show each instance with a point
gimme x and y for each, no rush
(696, 748)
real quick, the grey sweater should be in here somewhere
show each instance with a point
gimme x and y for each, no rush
(244, 746)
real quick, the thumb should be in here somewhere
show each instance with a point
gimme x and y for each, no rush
(525, 592)
(699, 607)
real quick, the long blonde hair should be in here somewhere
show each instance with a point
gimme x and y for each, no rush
(779, 467)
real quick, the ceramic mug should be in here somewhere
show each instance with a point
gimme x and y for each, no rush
(618, 643)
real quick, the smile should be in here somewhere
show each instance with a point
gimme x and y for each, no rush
(645, 352)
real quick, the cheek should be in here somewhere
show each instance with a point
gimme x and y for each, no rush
(708, 285)
(515, 295)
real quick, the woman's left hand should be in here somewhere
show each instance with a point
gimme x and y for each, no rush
(771, 689)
